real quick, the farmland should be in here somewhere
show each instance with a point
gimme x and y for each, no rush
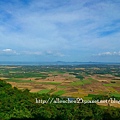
(65, 80)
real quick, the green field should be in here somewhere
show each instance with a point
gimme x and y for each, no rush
(44, 91)
(115, 94)
(50, 83)
(60, 92)
(18, 80)
(81, 82)
(111, 85)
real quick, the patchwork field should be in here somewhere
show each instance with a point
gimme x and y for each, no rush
(69, 81)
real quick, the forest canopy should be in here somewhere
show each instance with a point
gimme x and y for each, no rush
(21, 104)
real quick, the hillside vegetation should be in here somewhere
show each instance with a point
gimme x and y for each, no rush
(18, 104)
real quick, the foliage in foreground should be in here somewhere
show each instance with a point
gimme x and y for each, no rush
(16, 104)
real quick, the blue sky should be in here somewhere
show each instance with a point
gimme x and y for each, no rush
(60, 30)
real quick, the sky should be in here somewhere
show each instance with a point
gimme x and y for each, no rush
(60, 30)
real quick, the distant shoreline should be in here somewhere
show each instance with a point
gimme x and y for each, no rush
(58, 63)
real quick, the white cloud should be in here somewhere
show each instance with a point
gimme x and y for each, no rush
(53, 53)
(11, 52)
(31, 53)
(8, 52)
(59, 54)
(109, 54)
